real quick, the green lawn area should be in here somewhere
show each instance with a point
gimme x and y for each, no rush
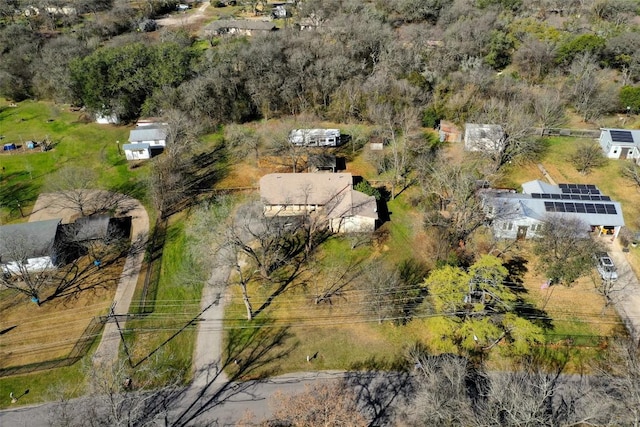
(24, 172)
(164, 337)
(48, 385)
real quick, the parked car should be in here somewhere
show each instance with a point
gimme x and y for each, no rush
(606, 267)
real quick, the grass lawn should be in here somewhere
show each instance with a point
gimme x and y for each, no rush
(347, 336)
(49, 332)
(47, 385)
(24, 172)
(159, 338)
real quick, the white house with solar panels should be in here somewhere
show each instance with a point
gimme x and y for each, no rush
(516, 215)
(620, 143)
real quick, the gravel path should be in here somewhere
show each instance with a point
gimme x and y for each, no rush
(184, 18)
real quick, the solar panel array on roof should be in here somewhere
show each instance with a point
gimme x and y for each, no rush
(621, 136)
(596, 197)
(589, 208)
(579, 188)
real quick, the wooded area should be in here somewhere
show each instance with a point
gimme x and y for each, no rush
(397, 69)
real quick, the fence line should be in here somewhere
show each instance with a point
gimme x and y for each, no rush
(575, 133)
(79, 350)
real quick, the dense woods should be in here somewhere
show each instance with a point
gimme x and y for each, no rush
(508, 61)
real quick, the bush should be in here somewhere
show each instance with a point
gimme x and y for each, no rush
(430, 118)
(584, 43)
(366, 188)
(630, 97)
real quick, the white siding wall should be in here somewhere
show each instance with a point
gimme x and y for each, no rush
(508, 229)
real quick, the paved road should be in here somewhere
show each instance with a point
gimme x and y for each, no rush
(207, 360)
(107, 351)
(626, 292)
(224, 409)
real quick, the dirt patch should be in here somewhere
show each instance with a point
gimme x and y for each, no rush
(578, 306)
(48, 332)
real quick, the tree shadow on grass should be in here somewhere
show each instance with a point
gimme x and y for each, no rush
(134, 189)
(517, 268)
(380, 385)
(21, 193)
(200, 175)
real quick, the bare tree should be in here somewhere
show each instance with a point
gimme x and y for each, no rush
(443, 396)
(588, 89)
(548, 107)
(74, 187)
(382, 285)
(72, 262)
(17, 273)
(242, 140)
(587, 156)
(453, 391)
(534, 58)
(277, 139)
(565, 249)
(518, 141)
(322, 404)
(620, 384)
(631, 171)
(260, 249)
(456, 209)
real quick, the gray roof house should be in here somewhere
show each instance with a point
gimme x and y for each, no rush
(155, 135)
(329, 195)
(522, 215)
(30, 245)
(620, 143)
(244, 27)
(138, 151)
(483, 137)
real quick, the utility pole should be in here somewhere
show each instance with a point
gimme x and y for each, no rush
(124, 343)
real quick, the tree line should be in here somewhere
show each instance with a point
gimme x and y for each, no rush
(438, 57)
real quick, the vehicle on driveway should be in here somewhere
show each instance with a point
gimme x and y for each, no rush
(606, 267)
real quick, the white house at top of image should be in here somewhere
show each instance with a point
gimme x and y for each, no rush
(487, 138)
(153, 134)
(620, 143)
(523, 215)
(315, 137)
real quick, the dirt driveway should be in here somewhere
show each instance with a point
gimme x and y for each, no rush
(184, 18)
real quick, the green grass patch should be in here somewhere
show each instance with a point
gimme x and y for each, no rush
(24, 172)
(401, 229)
(163, 338)
(49, 385)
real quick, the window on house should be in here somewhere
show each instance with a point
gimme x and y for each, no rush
(510, 226)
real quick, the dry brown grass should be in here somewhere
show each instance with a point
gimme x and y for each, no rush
(578, 303)
(48, 332)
